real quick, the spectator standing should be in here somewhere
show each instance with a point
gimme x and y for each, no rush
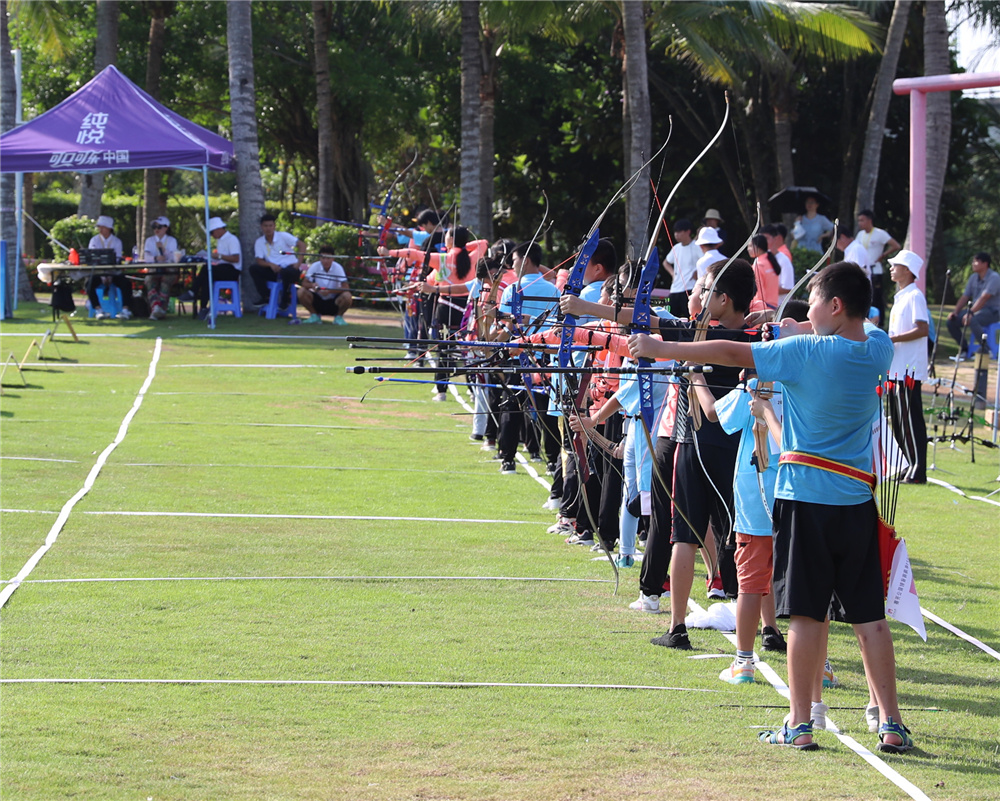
(682, 265)
(879, 245)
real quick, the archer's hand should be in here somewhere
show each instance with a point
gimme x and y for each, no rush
(570, 304)
(383, 250)
(642, 346)
(579, 424)
(758, 406)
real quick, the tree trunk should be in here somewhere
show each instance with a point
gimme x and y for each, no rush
(470, 209)
(324, 106)
(8, 111)
(882, 94)
(487, 116)
(152, 202)
(92, 184)
(936, 62)
(636, 105)
(783, 106)
(242, 106)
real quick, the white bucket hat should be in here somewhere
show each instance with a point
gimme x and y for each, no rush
(215, 223)
(910, 260)
(104, 221)
(708, 236)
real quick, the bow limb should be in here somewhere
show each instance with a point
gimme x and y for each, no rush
(691, 166)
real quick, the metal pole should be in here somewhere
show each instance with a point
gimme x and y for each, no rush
(18, 184)
(208, 251)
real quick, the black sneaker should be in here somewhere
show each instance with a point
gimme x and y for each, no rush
(675, 638)
(187, 297)
(550, 469)
(773, 641)
(534, 457)
(508, 469)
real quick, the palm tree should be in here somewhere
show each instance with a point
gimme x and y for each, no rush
(759, 51)
(636, 113)
(105, 53)
(472, 211)
(324, 107)
(881, 95)
(242, 106)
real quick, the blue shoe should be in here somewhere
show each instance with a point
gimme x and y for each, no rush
(898, 729)
(787, 735)
(625, 560)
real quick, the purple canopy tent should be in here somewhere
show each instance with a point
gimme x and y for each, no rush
(111, 124)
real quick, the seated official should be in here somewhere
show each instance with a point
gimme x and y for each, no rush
(324, 289)
(160, 248)
(227, 264)
(277, 257)
(105, 239)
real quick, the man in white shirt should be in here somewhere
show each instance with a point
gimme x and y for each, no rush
(227, 263)
(324, 289)
(277, 257)
(852, 250)
(908, 328)
(708, 242)
(105, 239)
(879, 245)
(682, 265)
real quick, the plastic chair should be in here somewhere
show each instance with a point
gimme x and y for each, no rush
(991, 331)
(271, 310)
(110, 298)
(233, 304)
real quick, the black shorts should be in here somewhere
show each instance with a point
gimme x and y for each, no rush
(327, 305)
(820, 550)
(695, 495)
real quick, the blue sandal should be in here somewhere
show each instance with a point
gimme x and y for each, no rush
(788, 735)
(903, 733)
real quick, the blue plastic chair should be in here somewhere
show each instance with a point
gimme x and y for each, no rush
(271, 310)
(233, 304)
(991, 332)
(110, 298)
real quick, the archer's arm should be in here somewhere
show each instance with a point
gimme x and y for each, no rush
(714, 351)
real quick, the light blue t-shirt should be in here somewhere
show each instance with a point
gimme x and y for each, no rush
(534, 286)
(830, 401)
(733, 409)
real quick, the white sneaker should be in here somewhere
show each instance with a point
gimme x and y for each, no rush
(561, 525)
(818, 714)
(439, 397)
(552, 504)
(125, 314)
(871, 718)
(157, 313)
(646, 603)
(101, 315)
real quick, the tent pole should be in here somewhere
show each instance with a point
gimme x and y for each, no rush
(18, 183)
(208, 250)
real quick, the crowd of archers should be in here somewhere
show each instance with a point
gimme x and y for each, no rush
(761, 461)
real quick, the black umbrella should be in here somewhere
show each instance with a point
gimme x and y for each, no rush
(792, 199)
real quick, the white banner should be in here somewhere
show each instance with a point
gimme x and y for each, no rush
(902, 603)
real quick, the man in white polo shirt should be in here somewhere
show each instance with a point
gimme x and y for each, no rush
(908, 328)
(277, 257)
(682, 264)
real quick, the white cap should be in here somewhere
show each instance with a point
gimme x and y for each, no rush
(713, 214)
(161, 221)
(910, 260)
(104, 221)
(215, 223)
(708, 236)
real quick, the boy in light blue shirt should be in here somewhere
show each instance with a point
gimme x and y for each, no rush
(825, 519)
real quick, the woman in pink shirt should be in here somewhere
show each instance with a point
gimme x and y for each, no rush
(765, 272)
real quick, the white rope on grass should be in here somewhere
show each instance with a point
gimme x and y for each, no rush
(95, 471)
(112, 580)
(40, 459)
(959, 633)
(367, 683)
(781, 688)
(120, 513)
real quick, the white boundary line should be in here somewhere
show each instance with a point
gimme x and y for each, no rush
(119, 513)
(781, 688)
(60, 521)
(57, 363)
(527, 579)
(365, 683)
(40, 459)
(957, 491)
(959, 633)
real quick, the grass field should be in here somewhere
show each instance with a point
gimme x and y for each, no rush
(257, 617)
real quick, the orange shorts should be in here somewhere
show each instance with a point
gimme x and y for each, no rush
(754, 563)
